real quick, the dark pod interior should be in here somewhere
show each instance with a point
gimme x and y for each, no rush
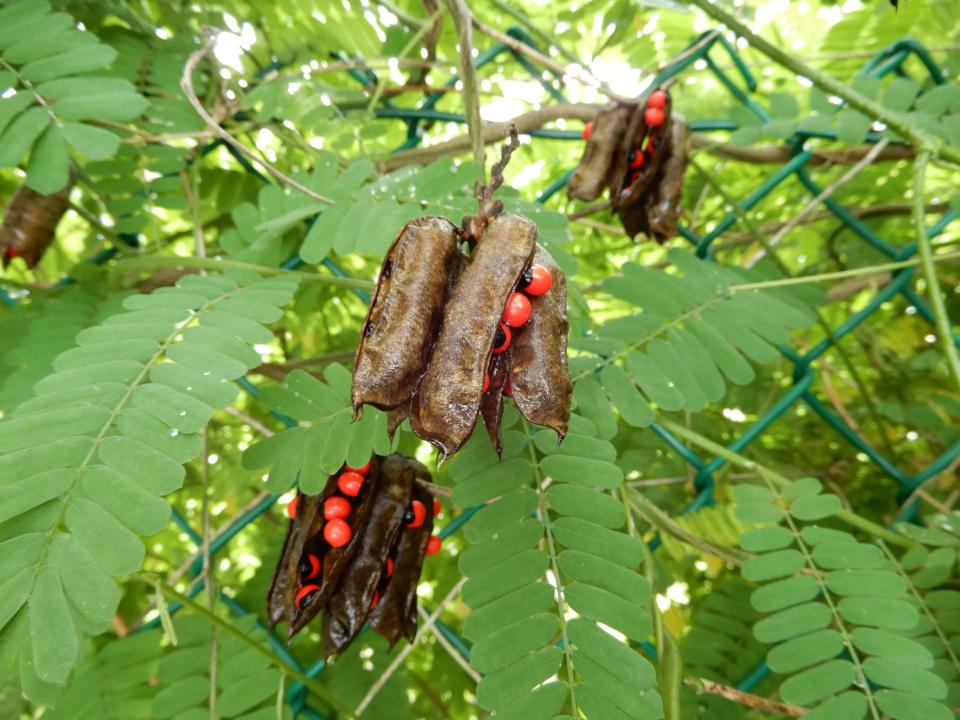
(375, 567)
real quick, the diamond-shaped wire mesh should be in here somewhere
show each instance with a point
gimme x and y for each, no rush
(890, 60)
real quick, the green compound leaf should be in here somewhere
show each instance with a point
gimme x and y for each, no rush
(50, 98)
(81, 483)
(835, 610)
(685, 336)
(532, 538)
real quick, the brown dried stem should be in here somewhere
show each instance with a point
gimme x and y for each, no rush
(740, 697)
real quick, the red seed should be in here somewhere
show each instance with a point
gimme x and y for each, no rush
(636, 159)
(350, 483)
(292, 507)
(314, 566)
(376, 599)
(389, 567)
(517, 311)
(336, 508)
(507, 389)
(337, 533)
(658, 99)
(437, 507)
(304, 592)
(587, 129)
(501, 341)
(362, 470)
(433, 545)
(416, 514)
(540, 281)
(486, 382)
(654, 117)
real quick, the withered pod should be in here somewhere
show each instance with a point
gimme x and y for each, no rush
(397, 336)
(447, 402)
(374, 576)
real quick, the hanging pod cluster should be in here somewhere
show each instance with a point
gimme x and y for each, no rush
(640, 152)
(355, 551)
(449, 334)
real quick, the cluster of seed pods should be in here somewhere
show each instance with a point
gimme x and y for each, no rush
(654, 118)
(355, 552)
(443, 337)
(640, 152)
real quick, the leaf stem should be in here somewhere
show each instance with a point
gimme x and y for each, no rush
(150, 262)
(468, 75)
(851, 518)
(842, 274)
(320, 690)
(825, 593)
(544, 519)
(414, 41)
(944, 330)
(650, 512)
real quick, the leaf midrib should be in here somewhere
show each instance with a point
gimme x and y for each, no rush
(630, 347)
(58, 524)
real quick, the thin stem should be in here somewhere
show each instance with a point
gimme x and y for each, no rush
(827, 596)
(650, 512)
(186, 84)
(944, 330)
(573, 71)
(842, 274)
(543, 517)
(207, 573)
(413, 42)
(824, 195)
(451, 650)
(921, 602)
(401, 15)
(468, 76)
(524, 20)
(150, 262)
(734, 458)
(402, 655)
(755, 702)
(320, 690)
(895, 121)
(190, 180)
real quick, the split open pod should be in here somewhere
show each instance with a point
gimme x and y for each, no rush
(443, 342)
(368, 569)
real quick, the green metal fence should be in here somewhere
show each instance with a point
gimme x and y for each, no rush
(890, 60)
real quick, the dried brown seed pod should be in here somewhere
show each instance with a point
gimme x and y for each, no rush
(447, 400)
(405, 313)
(539, 378)
(664, 201)
(596, 166)
(349, 606)
(286, 599)
(30, 224)
(634, 219)
(624, 189)
(395, 616)
(491, 404)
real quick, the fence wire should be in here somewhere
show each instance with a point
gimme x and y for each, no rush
(890, 60)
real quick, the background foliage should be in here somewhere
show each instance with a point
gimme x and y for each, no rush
(702, 544)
